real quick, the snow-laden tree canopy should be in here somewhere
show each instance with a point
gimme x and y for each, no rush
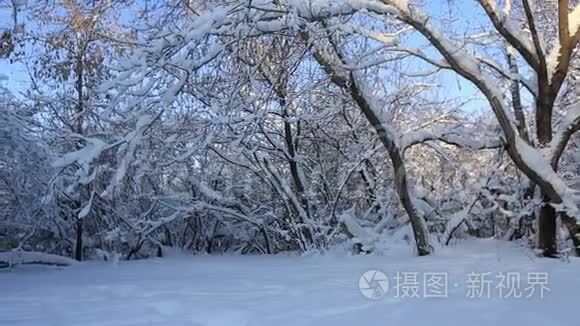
(268, 126)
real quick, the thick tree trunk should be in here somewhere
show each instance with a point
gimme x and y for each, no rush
(547, 229)
(547, 213)
(548, 92)
(79, 241)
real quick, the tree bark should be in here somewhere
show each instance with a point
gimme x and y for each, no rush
(79, 241)
(547, 229)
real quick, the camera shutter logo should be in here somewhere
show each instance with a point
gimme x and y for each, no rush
(373, 284)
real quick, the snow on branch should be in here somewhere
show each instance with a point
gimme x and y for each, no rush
(451, 136)
(506, 73)
(569, 124)
(527, 158)
(569, 199)
(558, 61)
(366, 237)
(18, 257)
(315, 9)
(230, 212)
(130, 143)
(458, 58)
(574, 22)
(83, 156)
(511, 33)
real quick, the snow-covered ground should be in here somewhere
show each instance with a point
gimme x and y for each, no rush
(290, 290)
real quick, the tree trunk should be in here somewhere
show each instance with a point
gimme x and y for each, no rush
(351, 84)
(417, 223)
(547, 229)
(79, 241)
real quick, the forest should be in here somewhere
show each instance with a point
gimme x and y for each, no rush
(131, 128)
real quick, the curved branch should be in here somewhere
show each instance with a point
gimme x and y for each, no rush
(526, 158)
(570, 124)
(450, 137)
(509, 33)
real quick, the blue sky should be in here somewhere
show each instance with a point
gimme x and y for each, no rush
(14, 76)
